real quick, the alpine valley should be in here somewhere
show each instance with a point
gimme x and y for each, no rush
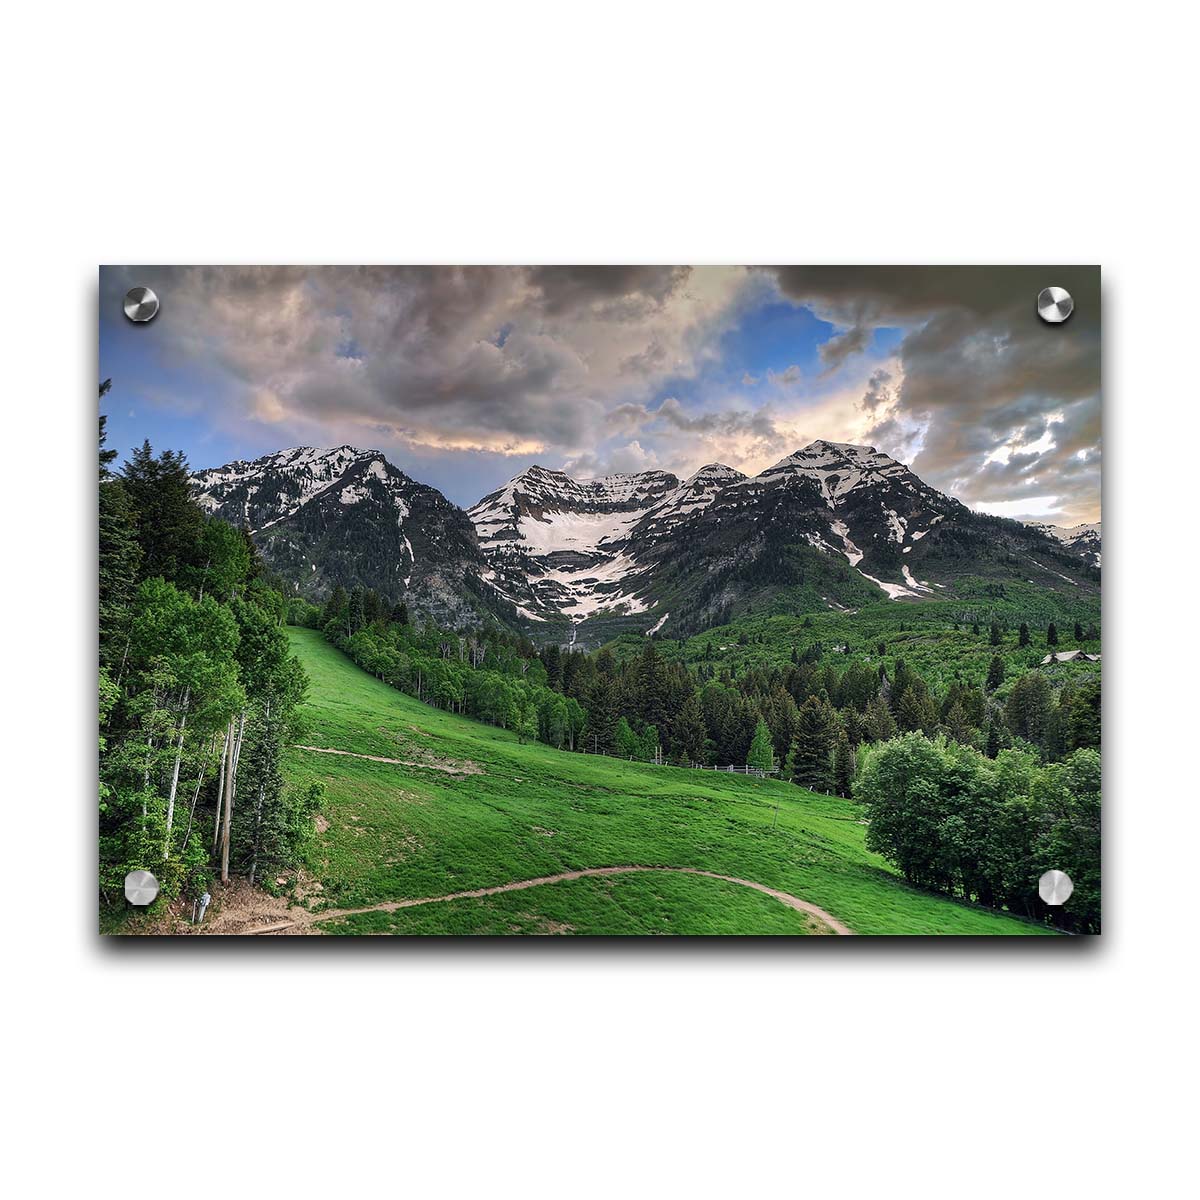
(830, 528)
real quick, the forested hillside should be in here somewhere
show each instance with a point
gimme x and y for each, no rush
(198, 691)
(808, 688)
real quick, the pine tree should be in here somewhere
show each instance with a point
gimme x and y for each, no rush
(853, 725)
(843, 765)
(762, 752)
(878, 723)
(1052, 635)
(356, 613)
(993, 739)
(995, 634)
(690, 733)
(995, 675)
(336, 610)
(652, 687)
(372, 607)
(1027, 710)
(957, 725)
(813, 748)
(169, 525)
(1023, 635)
(916, 710)
(1078, 632)
(602, 716)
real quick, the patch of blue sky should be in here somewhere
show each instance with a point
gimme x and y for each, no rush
(776, 342)
(173, 407)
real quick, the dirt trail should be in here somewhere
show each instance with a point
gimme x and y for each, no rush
(451, 768)
(400, 762)
(304, 919)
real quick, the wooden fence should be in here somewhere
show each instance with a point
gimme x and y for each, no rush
(756, 772)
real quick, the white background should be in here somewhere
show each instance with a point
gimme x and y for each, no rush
(705, 133)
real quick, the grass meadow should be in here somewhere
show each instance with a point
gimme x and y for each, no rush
(468, 806)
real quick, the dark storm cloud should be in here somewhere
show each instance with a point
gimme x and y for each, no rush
(622, 288)
(496, 358)
(981, 370)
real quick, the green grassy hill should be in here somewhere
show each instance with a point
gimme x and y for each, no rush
(467, 807)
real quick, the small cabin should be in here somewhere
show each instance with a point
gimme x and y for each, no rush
(1069, 656)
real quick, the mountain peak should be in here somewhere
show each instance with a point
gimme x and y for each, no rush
(823, 448)
(839, 468)
(716, 470)
(302, 454)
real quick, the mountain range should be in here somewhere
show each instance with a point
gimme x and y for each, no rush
(830, 526)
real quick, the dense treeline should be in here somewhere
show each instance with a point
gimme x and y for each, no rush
(806, 720)
(198, 691)
(955, 821)
(489, 674)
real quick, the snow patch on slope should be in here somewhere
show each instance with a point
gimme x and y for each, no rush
(894, 590)
(853, 554)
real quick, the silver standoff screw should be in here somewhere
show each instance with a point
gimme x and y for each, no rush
(1055, 887)
(1055, 305)
(141, 304)
(141, 888)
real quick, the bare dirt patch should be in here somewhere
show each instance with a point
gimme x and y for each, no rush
(426, 760)
(240, 908)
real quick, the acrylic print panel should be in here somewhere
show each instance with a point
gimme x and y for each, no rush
(599, 601)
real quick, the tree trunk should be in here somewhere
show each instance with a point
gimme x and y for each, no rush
(175, 778)
(230, 785)
(221, 790)
(124, 658)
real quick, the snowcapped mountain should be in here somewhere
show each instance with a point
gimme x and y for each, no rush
(830, 526)
(347, 516)
(1083, 539)
(857, 502)
(837, 525)
(548, 512)
(557, 546)
(838, 469)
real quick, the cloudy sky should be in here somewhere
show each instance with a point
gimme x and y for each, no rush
(464, 376)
